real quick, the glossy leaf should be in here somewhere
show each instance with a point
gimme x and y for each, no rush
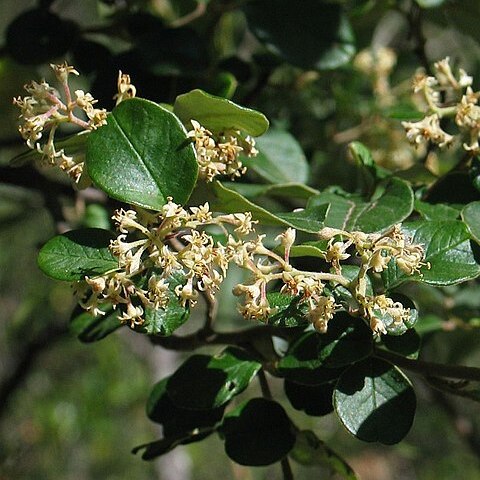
(164, 321)
(407, 344)
(302, 364)
(309, 450)
(37, 36)
(471, 216)
(142, 156)
(448, 250)
(258, 432)
(394, 328)
(204, 382)
(253, 190)
(218, 114)
(314, 400)
(313, 35)
(288, 311)
(89, 328)
(176, 421)
(308, 220)
(436, 211)
(75, 254)
(280, 158)
(375, 402)
(390, 204)
(347, 340)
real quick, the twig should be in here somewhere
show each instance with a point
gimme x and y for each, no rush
(430, 369)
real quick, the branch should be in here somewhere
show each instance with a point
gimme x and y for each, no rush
(204, 337)
(430, 369)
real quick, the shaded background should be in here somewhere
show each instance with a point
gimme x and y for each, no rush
(74, 411)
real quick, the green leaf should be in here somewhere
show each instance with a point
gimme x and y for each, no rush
(390, 204)
(37, 36)
(288, 311)
(142, 156)
(89, 328)
(75, 254)
(161, 447)
(347, 340)
(204, 382)
(407, 344)
(309, 450)
(314, 400)
(164, 321)
(73, 145)
(436, 211)
(393, 327)
(302, 364)
(313, 35)
(448, 250)
(176, 421)
(218, 114)
(375, 402)
(405, 111)
(258, 432)
(250, 190)
(280, 158)
(229, 201)
(370, 171)
(310, 249)
(471, 216)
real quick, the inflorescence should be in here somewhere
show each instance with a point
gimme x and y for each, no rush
(155, 250)
(446, 95)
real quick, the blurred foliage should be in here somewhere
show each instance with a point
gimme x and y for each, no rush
(74, 411)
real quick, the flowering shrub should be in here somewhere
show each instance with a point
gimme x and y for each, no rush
(326, 282)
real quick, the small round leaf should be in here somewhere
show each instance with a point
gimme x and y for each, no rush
(142, 156)
(375, 401)
(257, 433)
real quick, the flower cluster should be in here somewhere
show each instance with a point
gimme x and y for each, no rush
(153, 250)
(44, 109)
(218, 154)
(172, 255)
(375, 252)
(446, 95)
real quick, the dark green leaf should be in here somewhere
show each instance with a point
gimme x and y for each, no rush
(398, 328)
(310, 450)
(390, 204)
(229, 201)
(280, 158)
(89, 328)
(471, 216)
(218, 114)
(370, 171)
(407, 344)
(142, 156)
(178, 422)
(375, 402)
(258, 432)
(252, 190)
(436, 211)
(164, 321)
(37, 36)
(75, 254)
(448, 250)
(313, 35)
(288, 312)
(204, 382)
(302, 365)
(73, 145)
(314, 400)
(161, 447)
(347, 340)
